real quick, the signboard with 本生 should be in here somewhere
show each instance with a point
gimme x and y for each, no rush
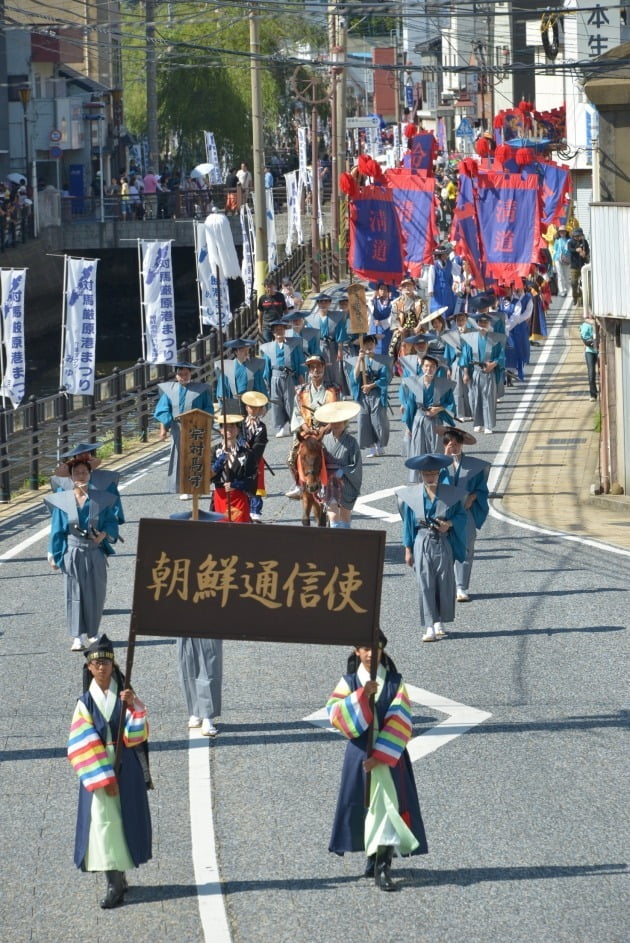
(264, 583)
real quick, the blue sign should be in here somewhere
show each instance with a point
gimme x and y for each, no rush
(464, 129)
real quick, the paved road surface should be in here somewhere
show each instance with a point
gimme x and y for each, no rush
(526, 813)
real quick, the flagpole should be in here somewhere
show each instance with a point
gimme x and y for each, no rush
(143, 336)
(222, 361)
(63, 318)
(199, 289)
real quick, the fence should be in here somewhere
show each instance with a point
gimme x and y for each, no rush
(33, 436)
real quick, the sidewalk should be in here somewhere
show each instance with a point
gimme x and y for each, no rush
(557, 466)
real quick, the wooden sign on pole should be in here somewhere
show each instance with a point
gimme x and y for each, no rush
(357, 304)
(194, 454)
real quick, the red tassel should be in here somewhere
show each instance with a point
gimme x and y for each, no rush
(373, 168)
(503, 153)
(362, 164)
(498, 122)
(348, 185)
(524, 156)
(482, 147)
(410, 131)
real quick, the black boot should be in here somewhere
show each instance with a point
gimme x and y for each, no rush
(115, 890)
(369, 866)
(382, 876)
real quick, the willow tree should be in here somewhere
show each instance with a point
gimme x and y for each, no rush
(203, 59)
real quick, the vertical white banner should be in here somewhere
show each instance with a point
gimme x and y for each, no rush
(272, 244)
(12, 283)
(302, 161)
(290, 180)
(79, 350)
(158, 301)
(320, 215)
(247, 265)
(212, 156)
(210, 286)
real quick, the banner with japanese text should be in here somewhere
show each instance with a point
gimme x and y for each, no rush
(464, 230)
(376, 249)
(158, 302)
(278, 584)
(212, 157)
(248, 263)
(422, 153)
(79, 340)
(555, 190)
(272, 244)
(211, 290)
(414, 202)
(291, 182)
(508, 212)
(302, 151)
(12, 363)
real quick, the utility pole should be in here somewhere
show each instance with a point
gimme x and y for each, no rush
(258, 168)
(339, 44)
(152, 100)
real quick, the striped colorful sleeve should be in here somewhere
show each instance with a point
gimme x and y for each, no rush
(349, 711)
(87, 753)
(396, 731)
(136, 727)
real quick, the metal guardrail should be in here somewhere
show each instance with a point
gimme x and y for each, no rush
(42, 428)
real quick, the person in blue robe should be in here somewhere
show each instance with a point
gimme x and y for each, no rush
(179, 396)
(368, 379)
(101, 479)
(483, 361)
(434, 535)
(113, 828)
(393, 821)
(243, 374)
(381, 318)
(285, 369)
(82, 528)
(470, 474)
(428, 403)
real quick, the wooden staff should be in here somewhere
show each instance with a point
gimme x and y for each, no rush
(222, 360)
(372, 703)
(131, 648)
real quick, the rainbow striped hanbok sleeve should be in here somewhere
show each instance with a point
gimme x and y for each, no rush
(349, 711)
(136, 727)
(87, 753)
(396, 731)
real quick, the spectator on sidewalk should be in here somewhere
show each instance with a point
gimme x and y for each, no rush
(588, 333)
(580, 254)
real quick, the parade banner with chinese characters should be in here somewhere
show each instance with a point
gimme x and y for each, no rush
(210, 286)
(272, 245)
(270, 584)
(158, 302)
(194, 452)
(464, 231)
(79, 336)
(248, 264)
(292, 198)
(422, 153)
(212, 157)
(508, 213)
(357, 309)
(13, 377)
(375, 236)
(415, 204)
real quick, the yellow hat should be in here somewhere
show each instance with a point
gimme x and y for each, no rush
(253, 398)
(231, 419)
(341, 411)
(438, 313)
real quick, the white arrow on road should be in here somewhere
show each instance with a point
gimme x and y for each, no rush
(364, 505)
(459, 719)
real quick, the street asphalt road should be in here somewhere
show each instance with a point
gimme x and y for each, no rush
(526, 813)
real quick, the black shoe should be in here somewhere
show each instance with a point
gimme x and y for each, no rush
(370, 861)
(382, 876)
(115, 890)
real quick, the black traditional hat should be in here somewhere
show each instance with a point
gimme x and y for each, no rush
(315, 358)
(322, 297)
(294, 315)
(279, 322)
(418, 339)
(82, 447)
(429, 461)
(101, 648)
(239, 342)
(184, 365)
(210, 516)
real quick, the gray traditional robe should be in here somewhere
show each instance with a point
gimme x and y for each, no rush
(198, 396)
(201, 674)
(343, 453)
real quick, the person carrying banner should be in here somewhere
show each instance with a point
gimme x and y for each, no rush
(284, 369)
(381, 318)
(440, 277)
(240, 375)
(113, 829)
(428, 402)
(482, 361)
(368, 379)
(255, 432)
(234, 471)
(308, 398)
(179, 396)
(392, 824)
(82, 528)
(343, 461)
(452, 354)
(471, 474)
(333, 329)
(407, 312)
(100, 479)
(434, 535)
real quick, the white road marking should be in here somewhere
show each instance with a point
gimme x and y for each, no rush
(17, 550)
(460, 718)
(363, 506)
(210, 896)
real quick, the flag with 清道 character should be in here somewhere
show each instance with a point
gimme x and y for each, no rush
(415, 205)
(508, 214)
(376, 244)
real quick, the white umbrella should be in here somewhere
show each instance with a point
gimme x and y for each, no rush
(202, 170)
(20, 179)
